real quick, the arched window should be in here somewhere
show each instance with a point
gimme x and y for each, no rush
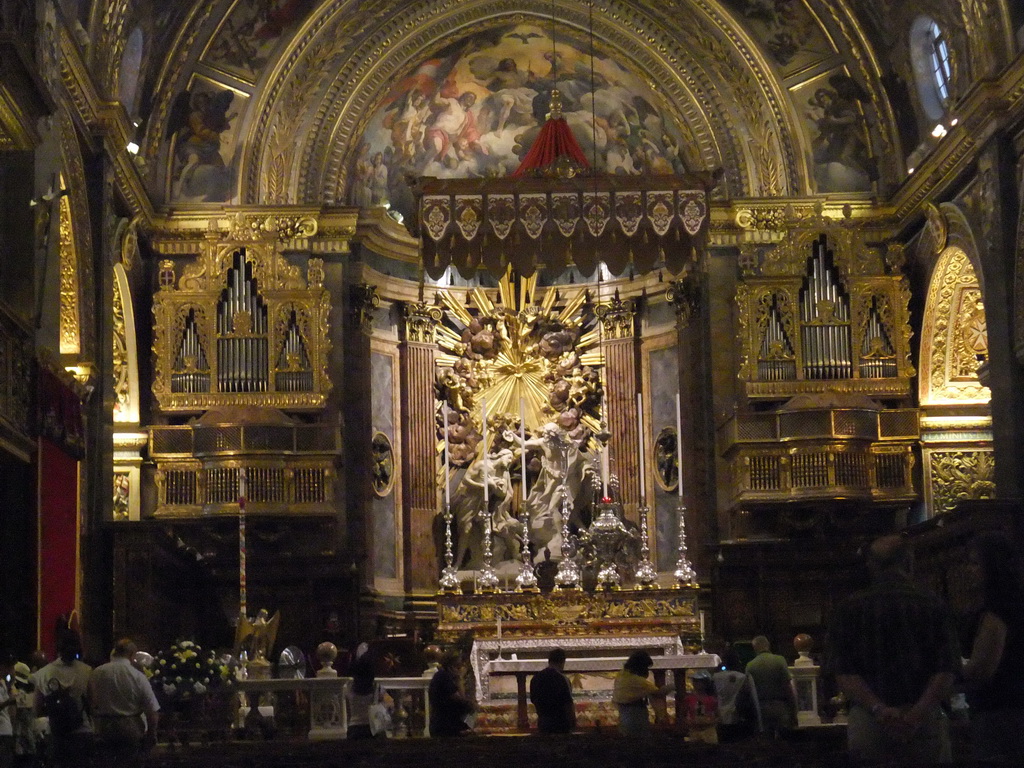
(940, 60)
(929, 54)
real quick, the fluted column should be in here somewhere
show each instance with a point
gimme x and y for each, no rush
(419, 439)
(697, 442)
(618, 319)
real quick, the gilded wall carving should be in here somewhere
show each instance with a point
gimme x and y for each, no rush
(954, 335)
(122, 398)
(960, 474)
(70, 319)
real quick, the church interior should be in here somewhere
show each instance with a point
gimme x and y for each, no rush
(452, 322)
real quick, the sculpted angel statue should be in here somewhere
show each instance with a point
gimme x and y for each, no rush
(256, 636)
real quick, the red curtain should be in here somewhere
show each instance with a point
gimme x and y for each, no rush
(58, 539)
(554, 140)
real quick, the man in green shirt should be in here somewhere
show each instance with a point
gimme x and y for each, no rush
(774, 685)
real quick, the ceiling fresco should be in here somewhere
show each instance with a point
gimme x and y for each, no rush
(338, 101)
(474, 109)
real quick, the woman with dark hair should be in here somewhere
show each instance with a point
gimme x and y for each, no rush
(360, 694)
(992, 677)
(631, 690)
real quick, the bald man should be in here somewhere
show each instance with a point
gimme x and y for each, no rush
(894, 652)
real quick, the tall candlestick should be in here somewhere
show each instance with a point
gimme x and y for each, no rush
(447, 485)
(241, 543)
(604, 472)
(679, 445)
(640, 443)
(522, 438)
(483, 457)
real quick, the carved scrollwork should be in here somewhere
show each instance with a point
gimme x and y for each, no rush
(617, 317)
(421, 321)
(768, 219)
(254, 227)
(686, 296)
(957, 475)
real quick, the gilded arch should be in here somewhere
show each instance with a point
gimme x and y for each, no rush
(75, 249)
(126, 358)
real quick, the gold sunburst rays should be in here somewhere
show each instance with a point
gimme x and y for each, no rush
(518, 345)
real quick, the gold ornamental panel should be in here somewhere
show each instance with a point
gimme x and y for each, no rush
(241, 325)
(569, 613)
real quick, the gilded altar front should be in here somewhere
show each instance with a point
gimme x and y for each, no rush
(571, 614)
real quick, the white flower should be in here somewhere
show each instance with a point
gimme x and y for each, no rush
(169, 689)
(199, 688)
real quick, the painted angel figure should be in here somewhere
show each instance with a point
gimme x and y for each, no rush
(256, 637)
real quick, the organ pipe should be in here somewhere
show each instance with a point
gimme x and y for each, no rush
(242, 329)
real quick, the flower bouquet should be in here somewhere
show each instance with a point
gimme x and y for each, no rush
(185, 671)
(191, 684)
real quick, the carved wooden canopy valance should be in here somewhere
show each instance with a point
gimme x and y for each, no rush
(552, 223)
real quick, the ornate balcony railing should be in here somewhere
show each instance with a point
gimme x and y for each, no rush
(289, 469)
(822, 454)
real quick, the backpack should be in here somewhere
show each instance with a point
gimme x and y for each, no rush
(62, 708)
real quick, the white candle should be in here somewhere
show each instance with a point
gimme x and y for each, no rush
(640, 443)
(701, 629)
(499, 626)
(483, 456)
(679, 444)
(522, 438)
(447, 485)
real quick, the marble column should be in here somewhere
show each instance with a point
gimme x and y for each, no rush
(618, 319)
(689, 296)
(419, 440)
(357, 428)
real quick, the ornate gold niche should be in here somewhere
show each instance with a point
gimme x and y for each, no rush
(241, 326)
(956, 419)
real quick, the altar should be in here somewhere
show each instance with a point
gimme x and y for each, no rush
(515, 631)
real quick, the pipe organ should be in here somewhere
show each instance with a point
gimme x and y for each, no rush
(824, 342)
(240, 326)
(824, 313)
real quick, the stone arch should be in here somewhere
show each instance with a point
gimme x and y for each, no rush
(754, 139)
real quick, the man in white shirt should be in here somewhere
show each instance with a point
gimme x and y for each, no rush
(124, 707)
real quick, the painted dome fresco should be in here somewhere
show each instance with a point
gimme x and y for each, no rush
(475, 108)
